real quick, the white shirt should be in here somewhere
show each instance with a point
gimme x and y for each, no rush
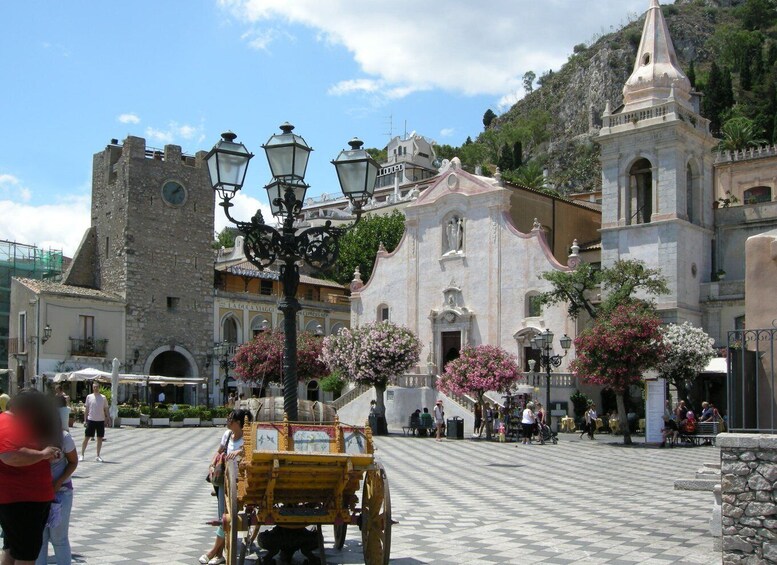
(96, 405)
(438, 414)
(528, 417)
(161, 397)
(233, 445)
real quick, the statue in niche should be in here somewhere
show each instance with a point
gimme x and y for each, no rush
(454, 234)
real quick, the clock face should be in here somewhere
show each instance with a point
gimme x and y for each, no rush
(174, 193)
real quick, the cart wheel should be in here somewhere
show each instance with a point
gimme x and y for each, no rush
(340, 532)
(230, 509)
(376, 517)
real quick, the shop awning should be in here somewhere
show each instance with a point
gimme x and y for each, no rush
(716, 365)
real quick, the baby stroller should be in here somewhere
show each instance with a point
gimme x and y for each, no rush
(544, 433)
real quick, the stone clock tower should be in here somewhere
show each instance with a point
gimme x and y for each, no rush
(150, 243)
(657, 172)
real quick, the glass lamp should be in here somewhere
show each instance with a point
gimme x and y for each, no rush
(227, 165)
(287, 154)
(566, 342)
(357, 172)
(276, 192)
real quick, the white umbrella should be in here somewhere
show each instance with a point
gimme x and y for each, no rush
(115, 391)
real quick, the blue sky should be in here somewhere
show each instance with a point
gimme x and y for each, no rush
(77, 74)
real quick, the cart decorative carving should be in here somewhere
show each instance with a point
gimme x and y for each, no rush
(295, 475)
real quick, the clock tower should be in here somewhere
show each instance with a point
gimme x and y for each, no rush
(150, 243)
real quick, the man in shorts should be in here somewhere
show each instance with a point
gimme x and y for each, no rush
(95, 416)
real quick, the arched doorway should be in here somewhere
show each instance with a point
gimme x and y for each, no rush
(313, 390)
(176, 362)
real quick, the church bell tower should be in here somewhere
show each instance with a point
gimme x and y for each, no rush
(657, 168)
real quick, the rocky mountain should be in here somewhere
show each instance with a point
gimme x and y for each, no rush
(574, 97)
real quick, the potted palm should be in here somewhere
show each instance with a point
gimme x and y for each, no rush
(176, 419)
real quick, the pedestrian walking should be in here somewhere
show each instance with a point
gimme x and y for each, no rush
(95, 417)
(439, 419)
(62, 402)
(590, 422)
(478, 419)
(489, 417)
(29, 432)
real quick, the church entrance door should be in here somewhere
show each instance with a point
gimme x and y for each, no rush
(451, 347)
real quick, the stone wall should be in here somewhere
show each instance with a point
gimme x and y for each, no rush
(749, 494)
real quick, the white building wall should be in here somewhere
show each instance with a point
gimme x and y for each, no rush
(488, 279)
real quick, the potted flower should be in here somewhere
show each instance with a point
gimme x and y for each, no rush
(191, 416)
(176, 419)
(129, 416)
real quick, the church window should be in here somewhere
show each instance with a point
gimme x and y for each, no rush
(646, 59)
(383, 313)
(691, 195)
(641, 189)
(107, 245)
(533, 305)
(172, 303)
(758, 194)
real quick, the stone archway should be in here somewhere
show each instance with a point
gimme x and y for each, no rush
(172, 361)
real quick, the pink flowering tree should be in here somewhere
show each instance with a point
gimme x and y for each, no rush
(372, 354)
(617, 349)
(261, 359)
(480, 369)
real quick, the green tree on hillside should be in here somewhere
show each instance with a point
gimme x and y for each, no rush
(488, 117)
(528, 81)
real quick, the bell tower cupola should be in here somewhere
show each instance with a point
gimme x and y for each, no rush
(657, 76)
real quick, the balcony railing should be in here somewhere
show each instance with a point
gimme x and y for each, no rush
(89, 347)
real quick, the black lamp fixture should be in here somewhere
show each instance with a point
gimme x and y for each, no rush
(46, 334)
(543, 342)
(288, 154)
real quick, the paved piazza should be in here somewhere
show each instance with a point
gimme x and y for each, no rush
(456, 502)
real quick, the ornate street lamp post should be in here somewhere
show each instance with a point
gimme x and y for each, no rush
(287, 155)
(543, 342)
(222, 353)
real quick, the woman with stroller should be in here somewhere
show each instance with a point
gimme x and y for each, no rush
(539, 423)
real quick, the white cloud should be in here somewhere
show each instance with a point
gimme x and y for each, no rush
(447, 132)
(243, 210)
(506, 102)
(260, 38)
(175, 132)
(459, 46)
(129, 118)
(59, 225)
(11, 187)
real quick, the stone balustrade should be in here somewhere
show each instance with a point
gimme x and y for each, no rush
(661, 111)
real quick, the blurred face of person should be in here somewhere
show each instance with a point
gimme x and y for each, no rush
(95, 388)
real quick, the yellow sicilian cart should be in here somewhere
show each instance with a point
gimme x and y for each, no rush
(297, 474)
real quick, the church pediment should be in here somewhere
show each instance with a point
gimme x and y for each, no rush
(454, 180)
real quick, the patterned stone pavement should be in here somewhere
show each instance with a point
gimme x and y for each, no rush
(579, 502)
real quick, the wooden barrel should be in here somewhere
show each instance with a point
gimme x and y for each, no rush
(271, 410)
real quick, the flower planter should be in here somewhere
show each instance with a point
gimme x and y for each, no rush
(191, 422)
(219, 421)
(129, 421)
(206, 424)
(176, 424)
(160, 422)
